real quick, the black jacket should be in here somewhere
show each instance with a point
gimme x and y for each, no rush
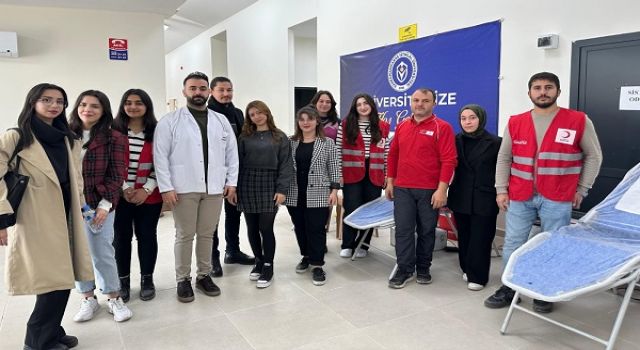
(473, 188)
(233, 114)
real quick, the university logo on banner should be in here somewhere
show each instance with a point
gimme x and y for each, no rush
(462, 66)
(402, 71)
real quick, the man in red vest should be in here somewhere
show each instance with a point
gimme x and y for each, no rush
(420, 167)
(549, 158)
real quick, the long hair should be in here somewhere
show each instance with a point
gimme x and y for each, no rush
(104, 123)
(29, 111)
(312, 113)
(121, 122)
(352, 129)
(249, 127)
(332, 115)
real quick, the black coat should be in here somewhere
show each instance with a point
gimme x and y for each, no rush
(473, 188)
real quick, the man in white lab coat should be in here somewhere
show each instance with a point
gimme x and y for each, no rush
(196, 164)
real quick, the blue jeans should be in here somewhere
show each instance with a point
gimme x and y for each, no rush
(103, 258)
(521, 216)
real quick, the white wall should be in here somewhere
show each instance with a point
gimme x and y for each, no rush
(258, 55)
(258, 41)
(306, 62)
(69, 48)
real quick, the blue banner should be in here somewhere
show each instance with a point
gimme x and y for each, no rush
(462, 66)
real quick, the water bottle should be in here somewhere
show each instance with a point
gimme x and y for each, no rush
(88, 215)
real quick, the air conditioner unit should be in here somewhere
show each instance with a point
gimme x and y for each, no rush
(8, 44)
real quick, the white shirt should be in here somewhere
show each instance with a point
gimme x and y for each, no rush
(178, 158)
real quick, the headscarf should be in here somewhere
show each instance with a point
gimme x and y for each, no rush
(482, 120)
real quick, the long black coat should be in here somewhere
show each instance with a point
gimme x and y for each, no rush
(473, 188)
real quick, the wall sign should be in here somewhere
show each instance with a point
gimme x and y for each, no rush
(409, 32)
(630, 98)
(118, 49)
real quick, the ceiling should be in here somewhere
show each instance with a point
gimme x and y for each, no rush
(184, 19)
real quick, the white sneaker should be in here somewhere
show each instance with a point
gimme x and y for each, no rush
(464, 277)
(475, 286)
(346, 253)
(88, 308)
(361, 253)
(119, 310)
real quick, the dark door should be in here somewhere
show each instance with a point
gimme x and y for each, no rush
(302, 96)
(599, 68)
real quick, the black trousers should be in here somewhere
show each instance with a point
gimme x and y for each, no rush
(44, 326)
(309, 226)
(231, 231)
(261, 236)
(355, 195)
(143, 220)
(414, 214)
(475, 236)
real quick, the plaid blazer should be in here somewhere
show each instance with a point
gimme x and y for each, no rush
(324, 174)
(104, 168)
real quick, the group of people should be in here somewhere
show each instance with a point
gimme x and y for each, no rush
(208, 153)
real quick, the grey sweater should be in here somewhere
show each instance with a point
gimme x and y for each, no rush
(589, 144)
(260, 151)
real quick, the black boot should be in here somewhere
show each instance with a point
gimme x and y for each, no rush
(125, 288)
(147, 288)
(216, 268)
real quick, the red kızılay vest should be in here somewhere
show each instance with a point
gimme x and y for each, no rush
(145, 166)
(558, 163)
(353, 160)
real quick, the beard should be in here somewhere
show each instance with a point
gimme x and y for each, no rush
(197, 101)
(543, 105)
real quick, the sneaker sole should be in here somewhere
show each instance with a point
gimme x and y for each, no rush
(211, 294)
(254, 278)
(318, 283)
(400, 286)
(475, 288)
(302, 271)
(499, 306)
(419, 281)
(186, 299)
(120, 320)
(262, 285)
(88, 319)
(148, 298)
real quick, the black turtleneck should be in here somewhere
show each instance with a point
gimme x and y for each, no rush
(52, 137)
(233, 114)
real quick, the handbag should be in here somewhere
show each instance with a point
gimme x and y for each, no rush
(16, 183)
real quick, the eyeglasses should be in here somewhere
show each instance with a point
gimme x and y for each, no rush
(49, 101)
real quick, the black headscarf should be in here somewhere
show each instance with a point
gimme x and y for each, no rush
(482, 118)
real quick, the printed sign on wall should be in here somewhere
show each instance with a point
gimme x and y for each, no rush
(462, 66)
(118, 49)
(630, 98)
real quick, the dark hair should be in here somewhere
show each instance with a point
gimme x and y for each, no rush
(217, 80)
(195, 75)
(121, 122)
(428, 90)
(104, 123)
(249, 127)
(352, 129)
(332, 115)
(29, 111)
(312, 113)
(545, 76)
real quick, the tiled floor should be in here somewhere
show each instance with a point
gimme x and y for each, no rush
(354, 310)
